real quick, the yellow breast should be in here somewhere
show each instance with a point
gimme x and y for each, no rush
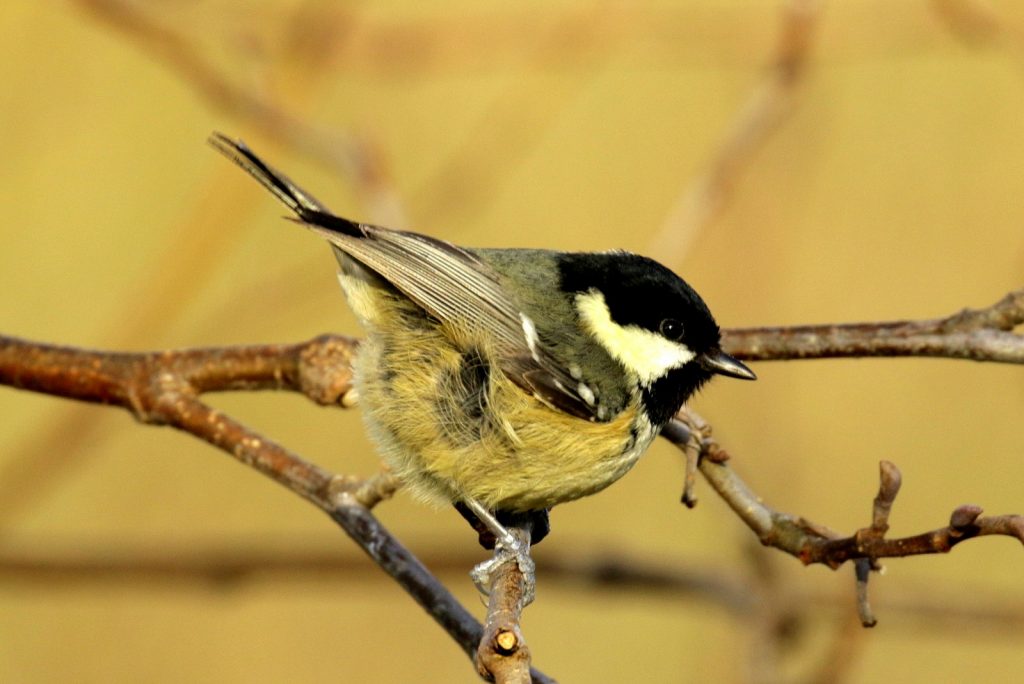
(451, 425)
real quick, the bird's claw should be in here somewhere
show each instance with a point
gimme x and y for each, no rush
(507, 551)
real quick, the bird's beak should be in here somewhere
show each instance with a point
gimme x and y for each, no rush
(717, 361)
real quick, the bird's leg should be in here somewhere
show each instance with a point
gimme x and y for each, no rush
(506, 549)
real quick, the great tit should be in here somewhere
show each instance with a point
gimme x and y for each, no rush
(509, 380)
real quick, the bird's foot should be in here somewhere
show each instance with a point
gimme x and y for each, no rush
(507, 550)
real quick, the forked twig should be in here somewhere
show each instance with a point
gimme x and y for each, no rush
(813, 543)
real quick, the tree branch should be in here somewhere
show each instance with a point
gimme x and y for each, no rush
(974, 334)
(162, 388)
(503, 655)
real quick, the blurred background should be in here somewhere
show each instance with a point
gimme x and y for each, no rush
(797, 162)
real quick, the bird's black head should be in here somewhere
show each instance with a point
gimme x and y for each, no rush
(652, 322)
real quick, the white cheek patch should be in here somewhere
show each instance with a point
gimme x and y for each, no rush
(645, 353)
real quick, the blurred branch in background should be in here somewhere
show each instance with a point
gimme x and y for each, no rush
(162, 388)
(765, 110)
(230, 566)
(977, 24)
(355, 157)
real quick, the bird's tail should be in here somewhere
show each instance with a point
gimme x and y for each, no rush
(307, 208)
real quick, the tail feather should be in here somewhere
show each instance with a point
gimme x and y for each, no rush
(306, 207)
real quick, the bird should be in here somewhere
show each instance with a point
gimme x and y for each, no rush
(508, 381)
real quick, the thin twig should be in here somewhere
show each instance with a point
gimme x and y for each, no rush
(862, 572)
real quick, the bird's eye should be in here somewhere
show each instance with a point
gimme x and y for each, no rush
(671, 329)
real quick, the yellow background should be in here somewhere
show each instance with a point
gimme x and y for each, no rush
(892, 189)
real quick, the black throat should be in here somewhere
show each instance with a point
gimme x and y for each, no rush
(666, 395)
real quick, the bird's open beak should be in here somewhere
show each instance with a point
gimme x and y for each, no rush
(717, 361)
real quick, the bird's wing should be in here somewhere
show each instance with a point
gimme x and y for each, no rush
(456, 287)
(449, 282)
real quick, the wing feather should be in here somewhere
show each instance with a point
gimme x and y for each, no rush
(448, 282)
